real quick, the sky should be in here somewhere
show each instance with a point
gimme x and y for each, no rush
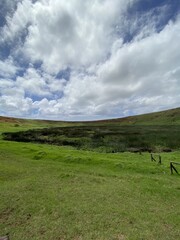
(88, 60)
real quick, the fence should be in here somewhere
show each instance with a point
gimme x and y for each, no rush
(172, 167)
(154, 160)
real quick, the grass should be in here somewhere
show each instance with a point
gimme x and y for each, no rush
(58, 192)
(50, 192)
(149, 132)
(106, 138)
(14, 124)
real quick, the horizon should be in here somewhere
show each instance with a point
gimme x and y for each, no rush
(84, 61)
(93, 120)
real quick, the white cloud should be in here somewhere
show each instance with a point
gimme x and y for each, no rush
(8, 68)
(33, 83)
(37, 83)
(15, 105)
(16, 23)
(109, 76)
(145, 69)
(72, 34)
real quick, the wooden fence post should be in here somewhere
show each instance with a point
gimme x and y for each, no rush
(152, 158)
(173, 168)
(160, 160)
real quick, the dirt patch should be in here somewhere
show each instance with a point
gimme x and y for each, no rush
(7, 119)
(4, 238)
(4, 215)
(121, 237)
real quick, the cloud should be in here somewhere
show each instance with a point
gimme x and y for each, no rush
(7, 7)
(8, 68)
(37, 83)
(144, 69)
(118, 60)
(16, 22)
(76, 34)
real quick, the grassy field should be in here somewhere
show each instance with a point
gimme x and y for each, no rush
(104, 138)
(58, 192)
(15, 124)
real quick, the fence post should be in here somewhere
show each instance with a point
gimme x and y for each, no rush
(152, 158)
(160, 160)
(173, 168)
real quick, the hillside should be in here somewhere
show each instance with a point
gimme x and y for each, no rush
(156, 132)
(168, 117)
(17, 124)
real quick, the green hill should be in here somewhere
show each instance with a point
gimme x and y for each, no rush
(168, 117)
(155, 132)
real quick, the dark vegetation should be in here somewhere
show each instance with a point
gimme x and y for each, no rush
(154, 132)
(105, 138)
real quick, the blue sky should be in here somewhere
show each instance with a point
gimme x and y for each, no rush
(83, 60)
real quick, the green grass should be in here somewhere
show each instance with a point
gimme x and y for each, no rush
(52, 192)
(105, 138)
(156, 132)
(168, 117)
(15, 125)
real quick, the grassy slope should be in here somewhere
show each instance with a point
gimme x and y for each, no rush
(15, 124)
(169, 117)
(155, 132)
(50, 192)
